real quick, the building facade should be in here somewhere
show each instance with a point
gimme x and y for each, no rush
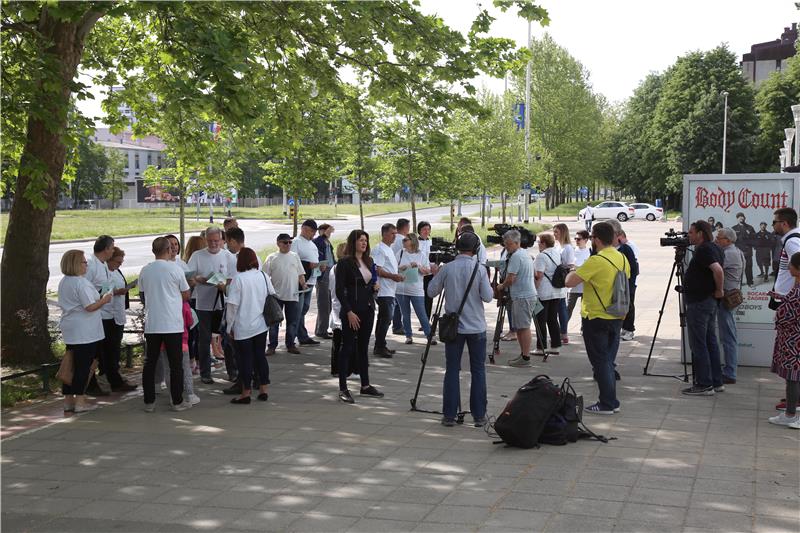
(766, 58)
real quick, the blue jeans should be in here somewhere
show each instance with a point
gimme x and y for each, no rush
(563, 317)
(385, 313)
(727, 338)
(397, 318)
(304, 303)
(601, 338)
(476, 344)
(404, 303)
(700, 319)
(291, 312)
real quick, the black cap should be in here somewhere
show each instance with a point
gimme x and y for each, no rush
(467, 242)
(284, 237)
(311, 223)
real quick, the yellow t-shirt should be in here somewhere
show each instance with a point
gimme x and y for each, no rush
(598, 275)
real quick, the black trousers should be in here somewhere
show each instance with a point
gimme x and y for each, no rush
(250, 354)
(356, 343)
(627, 324)
(428, 300)
(82, 356)
(172, 345)
(110, 351)
(547, 319)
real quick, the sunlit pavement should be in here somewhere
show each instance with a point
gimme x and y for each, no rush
(303, 461)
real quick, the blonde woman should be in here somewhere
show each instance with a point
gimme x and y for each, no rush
(410, 292)
(192, 245)
(561, 235)
(81, 326)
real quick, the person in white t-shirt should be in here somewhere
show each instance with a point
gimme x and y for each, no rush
(164, 288)
(413, 264)
(386, 263)
(563, 241)
(287, 276)
(81, 326)
(234, 239)
(336, 308)
(308, 252)
(403, 229)
(543, 268)
(425, 241)
(119, 287)
(98, 275)
(175, 252)
(247, 294)
(210, 261)
(582, 253)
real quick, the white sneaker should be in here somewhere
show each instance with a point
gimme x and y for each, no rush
(795, 424)
(719, 388)
(626, 335)
(149, 407)
(783, 420)
(194, 399)
(183, 406)
(163, 385)
(519, 361)
(102, 381)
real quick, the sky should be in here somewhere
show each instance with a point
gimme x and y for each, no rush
(621, 41)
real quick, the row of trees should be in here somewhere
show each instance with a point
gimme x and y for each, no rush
(263, 70)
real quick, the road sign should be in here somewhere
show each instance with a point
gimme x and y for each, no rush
(526, 186)
(291, 201)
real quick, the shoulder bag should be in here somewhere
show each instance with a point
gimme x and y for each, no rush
(448, 324)
(273, 312)
(733, 298)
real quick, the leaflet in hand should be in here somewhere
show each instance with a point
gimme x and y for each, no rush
(190, 274)
(215, 279)
(106, 287)
(411, 275)
(132, 284)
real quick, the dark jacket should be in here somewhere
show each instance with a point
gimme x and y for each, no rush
(323, 246)
(351, 291)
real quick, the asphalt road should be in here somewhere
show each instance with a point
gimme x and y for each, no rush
(259, 234)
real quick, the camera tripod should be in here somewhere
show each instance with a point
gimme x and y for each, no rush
(677, 272)
(424, 360)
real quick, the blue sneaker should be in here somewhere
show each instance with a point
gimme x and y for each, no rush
(596, 409)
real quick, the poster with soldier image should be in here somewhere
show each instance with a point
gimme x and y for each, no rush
(745, 203)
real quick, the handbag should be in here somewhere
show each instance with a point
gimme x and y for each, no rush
(217, 322)
(734, 298)
(66, 370)
(448, 324)
(273, 313)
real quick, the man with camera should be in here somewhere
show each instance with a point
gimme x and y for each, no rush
(733, 264)
(465, 291)
(702, 288)
(518, 282)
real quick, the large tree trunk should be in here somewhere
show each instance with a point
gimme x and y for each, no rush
(24, 267)
(361, 207)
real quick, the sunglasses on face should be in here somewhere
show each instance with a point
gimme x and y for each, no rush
(284, 242)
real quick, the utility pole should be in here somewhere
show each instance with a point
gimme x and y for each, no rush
(528, 122)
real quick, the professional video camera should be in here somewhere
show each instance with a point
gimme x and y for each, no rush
(527, 237)
(442, 251)
(678, 239)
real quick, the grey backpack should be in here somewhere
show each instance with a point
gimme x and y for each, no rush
(620, 292)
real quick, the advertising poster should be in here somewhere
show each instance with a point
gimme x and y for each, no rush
(745, 203)
(155, 193)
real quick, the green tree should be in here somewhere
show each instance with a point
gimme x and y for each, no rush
(90, 171)
(114, 185)
(773, 105)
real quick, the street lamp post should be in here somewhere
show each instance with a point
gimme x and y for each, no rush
(528, 121)
(724, 129)
(790, 133)
(784, 155)
(796, 113)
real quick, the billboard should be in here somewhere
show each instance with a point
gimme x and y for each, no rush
(155, 193)
(745, 203)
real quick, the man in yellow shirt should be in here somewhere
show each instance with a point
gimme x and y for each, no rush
(600, 329)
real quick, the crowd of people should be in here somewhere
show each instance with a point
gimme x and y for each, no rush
(208, 306)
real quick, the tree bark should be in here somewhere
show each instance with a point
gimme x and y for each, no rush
(24, 269)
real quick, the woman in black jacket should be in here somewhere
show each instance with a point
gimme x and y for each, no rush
(356, 284)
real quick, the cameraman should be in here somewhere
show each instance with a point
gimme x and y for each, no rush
(453, 278)
(702, 287)
(519, 282)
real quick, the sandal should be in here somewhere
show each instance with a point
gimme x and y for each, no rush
(508, 337)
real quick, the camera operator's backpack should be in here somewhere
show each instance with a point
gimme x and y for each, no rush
(620, 292)
(522, 420)
(559, 279)
(566, 425)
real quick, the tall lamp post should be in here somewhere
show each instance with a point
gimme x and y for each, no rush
(790, 133)
(724, 129)
(527, 124)
(784, 155)
(796, 113)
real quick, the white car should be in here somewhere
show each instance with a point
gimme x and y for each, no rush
(647, 211)
(610, 209)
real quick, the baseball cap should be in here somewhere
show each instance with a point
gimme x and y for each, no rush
(284, 237)
(311, 223)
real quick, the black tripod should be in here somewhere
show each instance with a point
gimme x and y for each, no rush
(677, 270)
(424, 359)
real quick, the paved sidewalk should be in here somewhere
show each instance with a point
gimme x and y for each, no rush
(305, 462)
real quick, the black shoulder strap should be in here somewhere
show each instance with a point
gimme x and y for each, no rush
(469, 286)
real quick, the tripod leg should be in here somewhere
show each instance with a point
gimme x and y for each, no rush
(660, 316)
(424, 358)
(539, 337)
(498, 330)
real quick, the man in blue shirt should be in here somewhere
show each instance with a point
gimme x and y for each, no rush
(453, 279)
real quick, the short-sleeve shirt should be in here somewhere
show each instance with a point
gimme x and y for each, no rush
(204, 263)
(308, 252)
(698, 281)
(98, 275)
(284, 271)
(79, 326)
(162, 283)
(581, 255)
(567, 255)
(412, 288)
(232, 271)
(546, 262)
(521, 265)
(784, 281)
(385, 259)
(118, 301)
(598, 275)
(247, 292)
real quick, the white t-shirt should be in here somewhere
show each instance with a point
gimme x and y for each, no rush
(78, 326)
(580, 258)
(412, 288)
(98, 275)
(425, 246)
(482, 255)
(181, 263)
(398, 243)
(232, 272)
(636, 255)
(118, 302)
(308, 252)
(567, 255)
(162, 282)
(545, 289)
(784, 281)
(204, 264)
(247, 292)
(385, 259)
(284, 271)
(336, 306)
